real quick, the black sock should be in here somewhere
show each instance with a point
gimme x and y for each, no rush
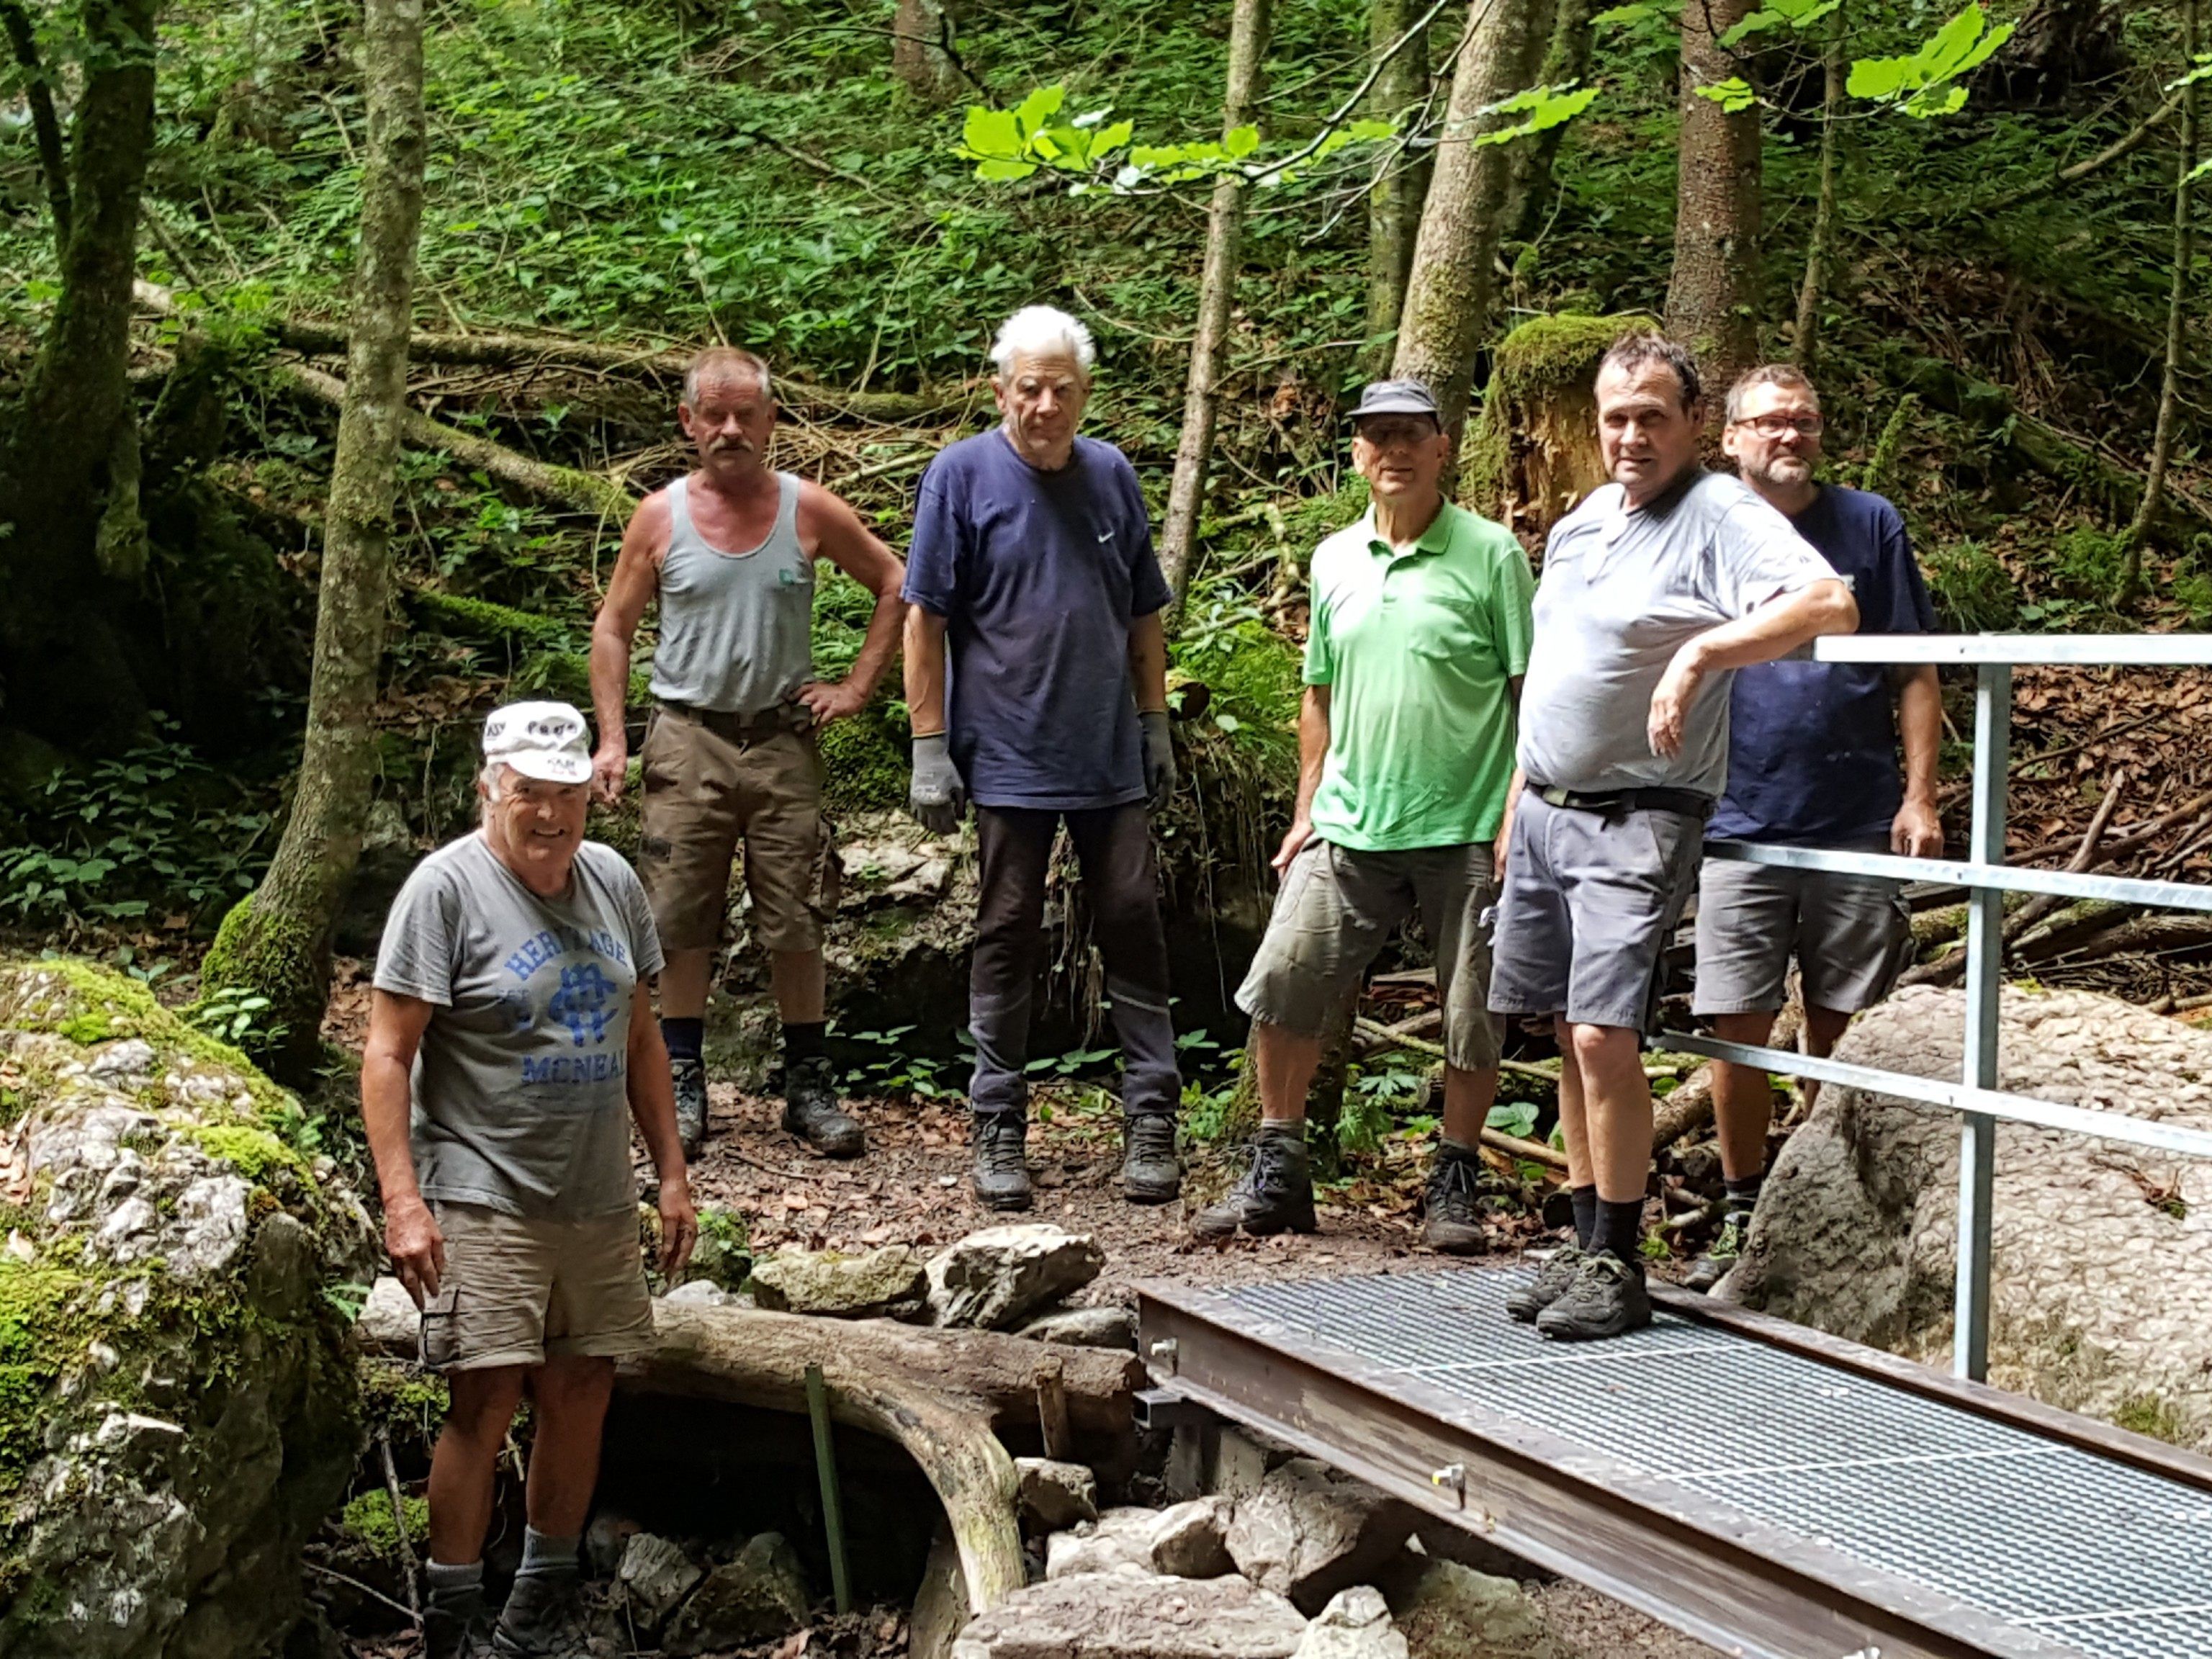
(804, 1042)
(684, 1037)
(1619, 1229)
(1585, 1203)
(1743, 1196)
(1447, 1147)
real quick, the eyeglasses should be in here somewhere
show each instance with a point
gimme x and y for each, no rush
(1780, 426)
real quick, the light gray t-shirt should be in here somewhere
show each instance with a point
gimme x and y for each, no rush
(521, 1085)
(1622, 591)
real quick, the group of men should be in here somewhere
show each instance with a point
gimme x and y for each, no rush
(1529, 768)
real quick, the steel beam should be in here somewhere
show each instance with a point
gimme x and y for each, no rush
(1961, 873)
(2027, 650)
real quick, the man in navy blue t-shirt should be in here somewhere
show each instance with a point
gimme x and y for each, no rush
(1812, 761)
(1032, 579)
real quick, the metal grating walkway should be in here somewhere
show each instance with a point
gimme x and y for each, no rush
(1912, 1513)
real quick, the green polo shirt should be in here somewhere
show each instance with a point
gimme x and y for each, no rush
(1417, 649)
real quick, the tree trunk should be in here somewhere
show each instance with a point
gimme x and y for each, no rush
(1532, 453)
(1712, 301)
(1821, 250)
(1394, 202)
(1566, 60)
(46, 125)
(918, 48)
(1217, 297)
(69, 678)
(1453, 288)
(277, 940)
(2176, 324)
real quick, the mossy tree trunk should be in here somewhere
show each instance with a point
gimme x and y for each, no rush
(2177, 327)
(1532, 453)
(1567, 61)
(277, 941)
(1453, 288)
(69, 678)
(1713, 297)
(1217, 295)
(1394, 202)
(1821, 251)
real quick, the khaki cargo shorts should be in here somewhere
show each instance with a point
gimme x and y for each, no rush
(704, 793)
(1335, 910)
(518, 1291)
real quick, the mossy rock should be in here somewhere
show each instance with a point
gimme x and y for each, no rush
(179, 1402)
(1532, 452)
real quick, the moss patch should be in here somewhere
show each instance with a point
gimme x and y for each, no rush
(254, 1153)
(119, 1006)
(369, 1520)
(1537, 401)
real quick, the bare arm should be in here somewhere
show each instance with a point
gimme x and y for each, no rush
(840, 537)
(636, 580)
(417, 1249)
(652, 1108)
(1313, 750)
(924, 661)
(1498, 847)
(1917, 829)
(1148, 662)
(1774, 630)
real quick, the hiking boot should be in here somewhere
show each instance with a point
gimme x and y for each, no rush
(1708, 1269)
(1606, 1299)
(1150, 1174)
(689, 1077)
(1549, 1285)
(1453, 1222)
(543, 1619)
(1002, 1168)
(1275, 1196)
(456, 1627)
(811, 1110)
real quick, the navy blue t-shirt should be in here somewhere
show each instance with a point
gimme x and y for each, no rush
(1037, 575)
(1813, 746)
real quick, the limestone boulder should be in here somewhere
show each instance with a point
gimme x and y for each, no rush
(1446, 1611)
(2101, 1265)
(1355, 1624)
(1054, 1495)
(179, 1402)
(1191, 1540)
(1119, 1540)
(1084, 1327)
(996, 1279)
(1309, 1531)
(879, 1284)
(655, 1576)
(1135, 1616)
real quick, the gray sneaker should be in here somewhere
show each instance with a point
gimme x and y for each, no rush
(1275, 1196)
(1150, 1174)
(1002, 1166)
(1549, 1285)
(543, 1619)
(1607, 1298)
(1452, 1222)
(689, 1077)
(1708, 1269)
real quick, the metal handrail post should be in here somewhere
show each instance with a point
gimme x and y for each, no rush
(1970, 1344)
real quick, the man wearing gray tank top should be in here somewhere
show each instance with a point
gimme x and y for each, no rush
(728, 552)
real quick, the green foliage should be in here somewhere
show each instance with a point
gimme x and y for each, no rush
(1973, 593)
(368, 1520)
(1927, 83)
(1541, 108)
(1779, 15)
(240, 1015)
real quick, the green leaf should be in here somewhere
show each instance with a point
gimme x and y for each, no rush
(1734, 94)
(1877, 77)
(1622, 16)
(1544, 107)
(1040, 106)
(1926, 81)
(990, 132)
(1240, 142)
(1004, 171)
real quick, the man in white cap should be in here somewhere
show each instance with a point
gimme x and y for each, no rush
(509, 1049)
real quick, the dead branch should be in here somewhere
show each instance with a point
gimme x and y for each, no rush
(2104, 158)
(2042, 904)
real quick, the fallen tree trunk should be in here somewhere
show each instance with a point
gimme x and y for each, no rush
(1688, 1106)
(520, 351)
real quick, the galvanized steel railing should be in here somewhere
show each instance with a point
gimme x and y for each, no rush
(1986, 877)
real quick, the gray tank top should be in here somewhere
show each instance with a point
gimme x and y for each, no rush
(737, 628)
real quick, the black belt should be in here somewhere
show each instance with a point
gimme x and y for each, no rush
(1688, 802)
(734, 728)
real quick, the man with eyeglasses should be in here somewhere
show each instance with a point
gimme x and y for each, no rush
(1418, 638)
(1812, 762)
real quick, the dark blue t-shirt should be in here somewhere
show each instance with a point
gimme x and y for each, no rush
(1037, 575)
(1813, 746)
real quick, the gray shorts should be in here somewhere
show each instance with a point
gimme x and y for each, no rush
(1333, 913)
(1849, 934)
(1590, 902)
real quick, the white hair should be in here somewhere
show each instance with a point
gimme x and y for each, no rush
(1043, 332)
(493, 777)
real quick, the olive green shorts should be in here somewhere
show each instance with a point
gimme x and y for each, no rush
(519, 1291)
(704, 792)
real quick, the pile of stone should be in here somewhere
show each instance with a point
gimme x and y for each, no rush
(1293, 1561)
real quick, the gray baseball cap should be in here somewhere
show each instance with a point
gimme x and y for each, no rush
(1397, 397)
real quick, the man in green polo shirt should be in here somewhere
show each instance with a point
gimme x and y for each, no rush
(1419, 636)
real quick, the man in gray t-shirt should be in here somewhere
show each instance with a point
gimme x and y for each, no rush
(1653, 592)
(509, 1049)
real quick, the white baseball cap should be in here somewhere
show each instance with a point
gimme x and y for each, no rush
(542, 740)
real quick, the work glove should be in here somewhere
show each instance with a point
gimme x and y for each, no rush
(937, 800)
(1159, 759)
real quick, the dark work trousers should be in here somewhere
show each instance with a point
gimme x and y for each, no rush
(1114, 848)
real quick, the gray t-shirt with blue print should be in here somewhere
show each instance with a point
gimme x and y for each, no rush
(521, 1084)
